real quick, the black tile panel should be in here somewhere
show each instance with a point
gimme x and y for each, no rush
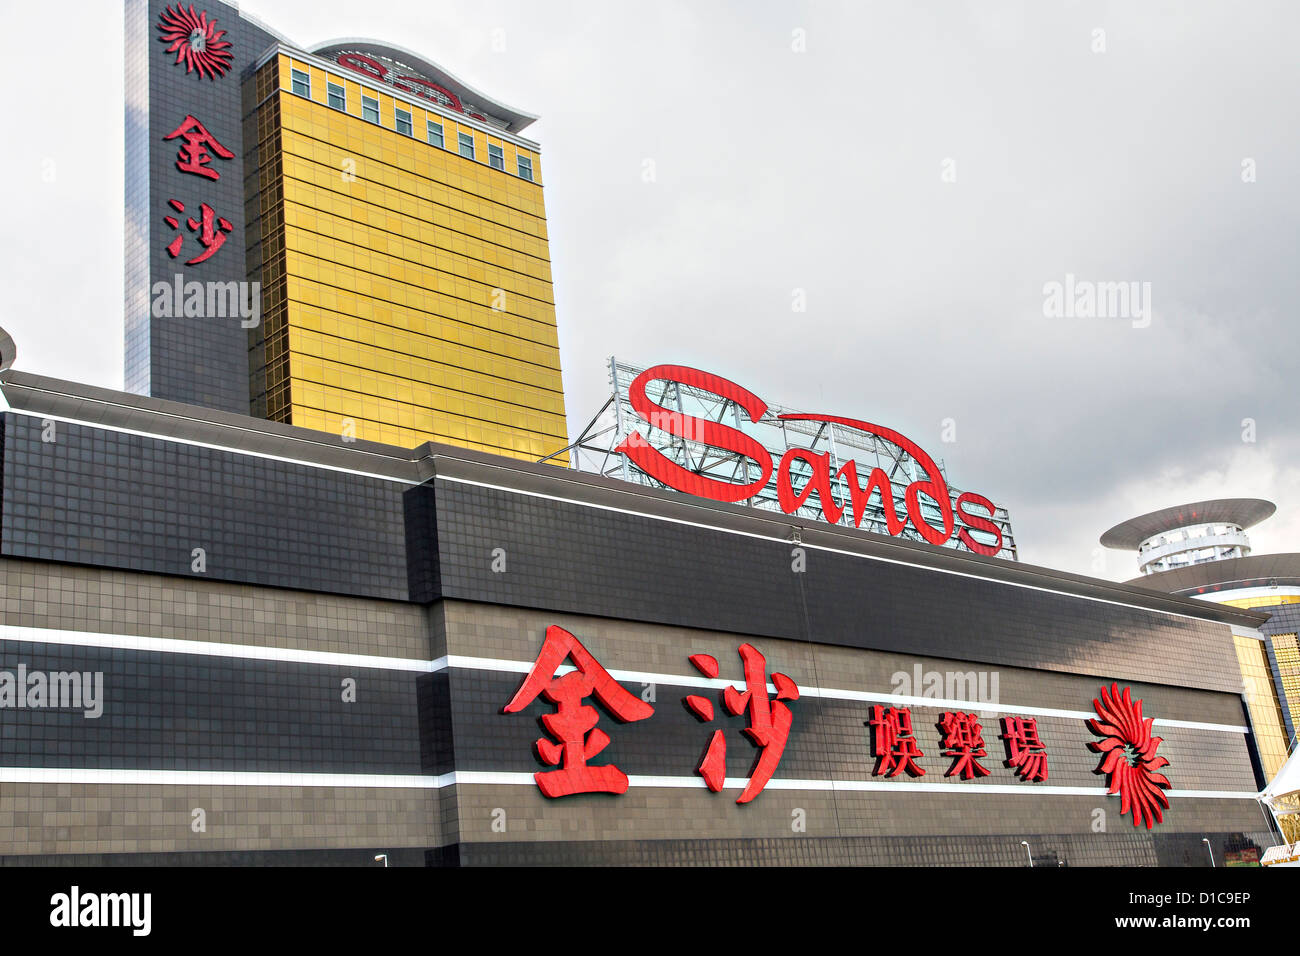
(164, 711)
(201, 360)
(119, 500)
(1004, 849)
(566, 557)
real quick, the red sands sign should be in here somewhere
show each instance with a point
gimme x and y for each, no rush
(967, 508)
(378, 71)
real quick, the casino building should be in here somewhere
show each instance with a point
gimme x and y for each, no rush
(1201, 550)
(252, 614)
(306, 649)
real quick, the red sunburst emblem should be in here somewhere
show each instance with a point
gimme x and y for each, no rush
(196, 41)
(1129, 755)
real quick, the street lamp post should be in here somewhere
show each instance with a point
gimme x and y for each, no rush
(1210, 848)
(384, 857)
(1025, 844)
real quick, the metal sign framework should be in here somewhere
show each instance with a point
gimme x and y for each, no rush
(594, 452)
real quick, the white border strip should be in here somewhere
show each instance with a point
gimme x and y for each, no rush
(220, 778)
(231, 449)
(216, 778)
(166, 645)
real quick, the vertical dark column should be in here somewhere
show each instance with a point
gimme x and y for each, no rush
(187, 348)
(419, 507)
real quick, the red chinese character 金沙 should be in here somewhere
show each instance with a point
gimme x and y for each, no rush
(211, 228)
(195, 143)
(769, 720)
(573, 724)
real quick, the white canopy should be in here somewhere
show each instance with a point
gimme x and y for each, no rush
(1286, 783)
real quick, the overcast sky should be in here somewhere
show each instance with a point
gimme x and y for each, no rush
(920, 170)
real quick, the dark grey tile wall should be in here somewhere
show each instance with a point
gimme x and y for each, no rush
(168, 711)
(126, 501)
(420, 510)
(1150, 849)
(356, 856)
(164, 711)
(199, 360)
(583, 560)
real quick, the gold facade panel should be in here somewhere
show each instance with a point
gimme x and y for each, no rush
(449, 429)
(344, 134)
(414, 296)
(347, 390)
(317, 84)
(1261, 701)
(361, 317)
(352, 178)
(366, 334)
(1267, 600)
(455, 257)
(493, 377)
(328, 270)
(414, 222)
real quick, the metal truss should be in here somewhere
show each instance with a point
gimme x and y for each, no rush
(594, 453)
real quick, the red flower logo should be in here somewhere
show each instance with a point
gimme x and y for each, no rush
(196, 41)
(1129, 755)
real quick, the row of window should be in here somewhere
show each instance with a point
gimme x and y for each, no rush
(336, 97)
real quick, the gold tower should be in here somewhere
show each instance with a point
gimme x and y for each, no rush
(397, 227)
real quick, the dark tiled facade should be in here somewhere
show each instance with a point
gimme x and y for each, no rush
(331, 684)
(618, 565)
(200, 360)
(170, 711)
(129, 501)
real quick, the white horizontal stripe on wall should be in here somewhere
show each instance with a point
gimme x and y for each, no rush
(165, 645)
(214, 778)
(219, 778)
(231, 449)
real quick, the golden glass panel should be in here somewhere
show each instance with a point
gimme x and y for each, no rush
(1261, 701)
(390, 307)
